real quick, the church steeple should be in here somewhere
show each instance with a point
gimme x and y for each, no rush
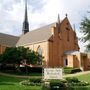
(58, 19)
(58, 23)
(25, 28)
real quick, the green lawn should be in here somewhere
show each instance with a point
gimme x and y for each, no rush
(85, 77)
(12, 83)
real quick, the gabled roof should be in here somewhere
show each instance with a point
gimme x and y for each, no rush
(38, 35)
(8, 40)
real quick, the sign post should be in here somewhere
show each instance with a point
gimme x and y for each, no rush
(52, 73)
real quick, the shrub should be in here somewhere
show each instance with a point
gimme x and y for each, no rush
(76, 70)
(31, 69)
(35, 80)
(69, 70)
(73, 82)
(45, 87)
(32, 82)
(58, 85)
(25, 82)
(72, 79)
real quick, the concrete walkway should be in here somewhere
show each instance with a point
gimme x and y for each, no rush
(77, 74)
(69, 75)
(19, 76)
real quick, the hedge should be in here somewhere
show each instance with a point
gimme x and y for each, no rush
(70, 70)
(68, 84)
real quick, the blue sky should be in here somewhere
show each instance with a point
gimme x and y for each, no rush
(40, 13)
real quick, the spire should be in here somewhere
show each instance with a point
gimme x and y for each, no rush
(74, 28)
(58, 23)
(26, 18)
(25, 23)
(58, 19)
(66, 14)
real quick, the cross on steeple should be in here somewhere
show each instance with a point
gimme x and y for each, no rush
(25, 28)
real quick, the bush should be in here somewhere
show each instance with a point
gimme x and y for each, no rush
(45, 87)
(70, 70)
(25, 82)
(72, 79)
(32, 82)
(57, 85)
(35, 80)
(67, 70)
(31, 69)
(76, 70)
(73, 82)
(8, 68)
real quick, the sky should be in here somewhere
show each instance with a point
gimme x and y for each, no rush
(41, 13)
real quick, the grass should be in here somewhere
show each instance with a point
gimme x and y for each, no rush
(12, 83)
(22, 74)
(85, 77)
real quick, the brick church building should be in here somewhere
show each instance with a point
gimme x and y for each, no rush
(57, 42)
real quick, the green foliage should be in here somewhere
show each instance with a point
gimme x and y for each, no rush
(58, 85)
(72, 79)
(32, 82)
(12, 83)
(55, 82)
(70, 70)
(45, 87)
(35, 80)
(84, 77)
(14, 55)
(85, 29)
(11, 55)
(71, 83)
(25, 82)
(75, 70)
(1, 58)
(67, 70)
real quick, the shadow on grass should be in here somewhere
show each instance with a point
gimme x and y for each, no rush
(10, 79)
(5, 83)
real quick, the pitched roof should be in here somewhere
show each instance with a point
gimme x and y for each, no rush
(8, 40)
(38, 35)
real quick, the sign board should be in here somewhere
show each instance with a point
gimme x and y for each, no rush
(52, 73)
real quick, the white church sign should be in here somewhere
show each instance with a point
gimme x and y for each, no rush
(52, 73)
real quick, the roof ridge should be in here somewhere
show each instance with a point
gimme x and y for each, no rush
(9, 35)
(43, 26)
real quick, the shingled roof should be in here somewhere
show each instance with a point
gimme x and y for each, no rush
(8, 40)
(38, 35)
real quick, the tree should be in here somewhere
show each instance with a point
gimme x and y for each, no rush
(10, 56)
(85, 29)
(14, 55)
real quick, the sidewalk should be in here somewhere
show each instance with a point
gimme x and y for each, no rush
(18, 76)
(68, 75)
(76, 74)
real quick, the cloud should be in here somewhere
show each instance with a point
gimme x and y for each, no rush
(40, 13)
(37, 5)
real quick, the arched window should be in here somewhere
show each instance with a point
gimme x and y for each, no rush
(67, 33)
(39, 50)
(66, 62)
